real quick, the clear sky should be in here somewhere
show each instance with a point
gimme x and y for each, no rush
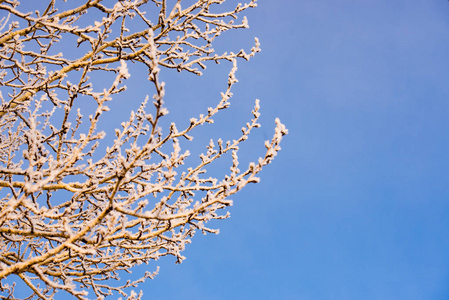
(356, 205)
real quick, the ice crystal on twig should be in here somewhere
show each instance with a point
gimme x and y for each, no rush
(75, 216)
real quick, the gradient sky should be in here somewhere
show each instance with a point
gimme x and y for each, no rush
(356, 204)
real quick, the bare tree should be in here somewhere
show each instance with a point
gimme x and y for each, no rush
(78, 209)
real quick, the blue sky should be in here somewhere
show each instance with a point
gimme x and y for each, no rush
(356, 204)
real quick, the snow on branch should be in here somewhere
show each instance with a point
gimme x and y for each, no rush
(76, 209)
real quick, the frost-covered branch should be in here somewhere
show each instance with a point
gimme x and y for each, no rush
(78, 209)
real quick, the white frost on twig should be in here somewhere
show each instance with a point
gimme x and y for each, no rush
(76, 209)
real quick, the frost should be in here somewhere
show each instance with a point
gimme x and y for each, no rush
(123, 70)
(79, 210)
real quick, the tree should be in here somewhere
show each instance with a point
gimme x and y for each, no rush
(79, 209)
